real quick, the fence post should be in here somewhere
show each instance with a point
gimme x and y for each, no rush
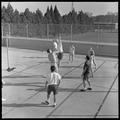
(48, 31)
(9, 32)
(98, 34)
(7, 42)
(2, 29)
(7, 39)
(71, 32)
(27, 29)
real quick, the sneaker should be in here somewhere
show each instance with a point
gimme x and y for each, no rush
(54, 104)
(89, 88)
(84, 89)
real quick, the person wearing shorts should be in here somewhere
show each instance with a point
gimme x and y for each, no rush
(52, 84)
(60, 51)
(52, 58)
(86, 73)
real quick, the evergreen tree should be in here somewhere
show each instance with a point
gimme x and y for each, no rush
(9, 12)
(35, 18)
(47, 16)
(16, 17)
(23, 18)
(80, 17)
(69, 18)
(27, 14)
(39, 16)
(64, 19)
(57, 15)
(3, 14)
(52, 14)
(74, 16)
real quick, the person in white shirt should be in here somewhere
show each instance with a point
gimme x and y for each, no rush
(71, 53)
(52, 58)
(60, 51)
(55, 45)
(91, 53)
(52, 83)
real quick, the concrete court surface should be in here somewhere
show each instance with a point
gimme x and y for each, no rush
(24, 87)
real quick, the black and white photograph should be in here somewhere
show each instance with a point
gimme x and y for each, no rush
(59, 59)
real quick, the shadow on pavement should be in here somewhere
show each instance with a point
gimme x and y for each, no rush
(25, 105)
(25, 76)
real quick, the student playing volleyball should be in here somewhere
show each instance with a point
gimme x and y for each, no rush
(71, 53)
(60, 51)
(92, 59)
(86, 73)
(52, 58)
(52, 83)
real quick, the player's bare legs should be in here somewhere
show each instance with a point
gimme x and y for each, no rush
(84, 85)
(54, 100)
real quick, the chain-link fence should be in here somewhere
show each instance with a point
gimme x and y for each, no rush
(102, 38)
(72, 32)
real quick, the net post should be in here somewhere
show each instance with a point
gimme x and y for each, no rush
(8, 69)
(9, 32)
(7, 42)
(27, 29)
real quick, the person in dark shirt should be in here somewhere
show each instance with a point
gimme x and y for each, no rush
(86, 73)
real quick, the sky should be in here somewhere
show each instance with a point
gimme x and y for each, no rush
(96, 8)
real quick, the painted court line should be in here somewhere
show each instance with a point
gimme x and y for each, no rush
(83, 115)
(105, 97)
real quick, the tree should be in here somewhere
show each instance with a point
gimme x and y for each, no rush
(9, 11)
(57, 15)
(39, 16)
(47, 16)
(69, 18)
(3, 14)
(23, 18)
(28, 15)
(52, 14)
(80, 17)
(74, 16)
(64, 19)
(16, 17)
